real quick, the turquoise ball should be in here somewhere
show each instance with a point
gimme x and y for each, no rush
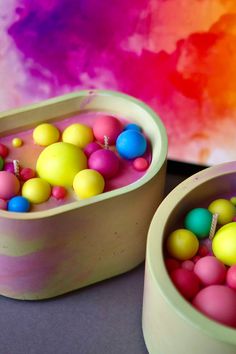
(199, 222)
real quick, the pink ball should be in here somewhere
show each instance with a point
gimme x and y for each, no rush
(3, 150)
(105, 162)
(210, 270)
(90, 148)
(107, 126)
(186, 282)
(9, 185)
(140, 164)
(231, 277)
(187, 265)
(171, 264)
(8, 166)
(217, 302)
(3, 204)
(59, 192)
(27, 173)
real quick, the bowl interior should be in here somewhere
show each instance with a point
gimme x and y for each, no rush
(83, 101)
(196, 191)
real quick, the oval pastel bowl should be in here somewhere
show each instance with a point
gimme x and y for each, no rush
(51, 252)
(170, 323)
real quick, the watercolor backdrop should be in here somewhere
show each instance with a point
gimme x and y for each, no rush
(179, 56)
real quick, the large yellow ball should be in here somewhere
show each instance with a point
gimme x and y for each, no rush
(36, 190)
(60, 162)
(182, 244)
(78, 134)
(224, 244)
(88, 183)
(46, 134)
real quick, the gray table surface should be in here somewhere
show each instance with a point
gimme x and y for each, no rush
(102, 318)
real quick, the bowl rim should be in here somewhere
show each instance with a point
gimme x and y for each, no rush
(153, 168)
(154, 252)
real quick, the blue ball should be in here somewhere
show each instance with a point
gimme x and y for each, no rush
(131, 144)
(132, 126)
(18, 204)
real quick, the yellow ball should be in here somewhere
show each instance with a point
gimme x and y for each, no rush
(36, 190)
(224, 244)
(78, 134)
(88, 183)
(17, 142)
(225, 210)
(46, 134)
(60, 162)
(182, 244)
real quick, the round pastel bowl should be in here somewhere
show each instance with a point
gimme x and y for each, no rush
(171, 325)
(51, 252)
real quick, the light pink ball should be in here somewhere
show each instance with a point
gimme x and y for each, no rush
(217, 302)
(3, 204)
(9, 185)
(105, 162)
(187, 265)
(210, 270)
(90, 148)
(107, 126)
(231, 277)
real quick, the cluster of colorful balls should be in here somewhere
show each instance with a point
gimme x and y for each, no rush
(80, 157)
(201, 260)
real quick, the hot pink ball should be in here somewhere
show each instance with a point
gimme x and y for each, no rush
(3, 204)
(105, 162)
(9, 185)
(171, 264)
(186, 282)
(90, 148)
(187, 265)
(107, 126)
(59, 192)
(140, 164)
(231, 277)
(27, 173)
(210, 270)
(217, 302)
(202, 251)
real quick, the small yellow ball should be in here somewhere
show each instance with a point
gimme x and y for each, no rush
(224, 244)
(225, 210)
(59, 163)
(78, 134)
(17, 142)
(46, 134)
(88, 183)
(36, 190)
(182, 244)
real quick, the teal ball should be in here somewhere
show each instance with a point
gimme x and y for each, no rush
(198, 221)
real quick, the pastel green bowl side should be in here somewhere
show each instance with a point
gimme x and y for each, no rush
(171, 324)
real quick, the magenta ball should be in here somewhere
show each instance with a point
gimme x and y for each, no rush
(140, 164)
(107, 126)
(187, 265)
(8, 166)
(231, 277)
(217, 302)
(186, 282)
(105, 162)
(210, 270)
(90, 148)
(9, 185)
(3, 204)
